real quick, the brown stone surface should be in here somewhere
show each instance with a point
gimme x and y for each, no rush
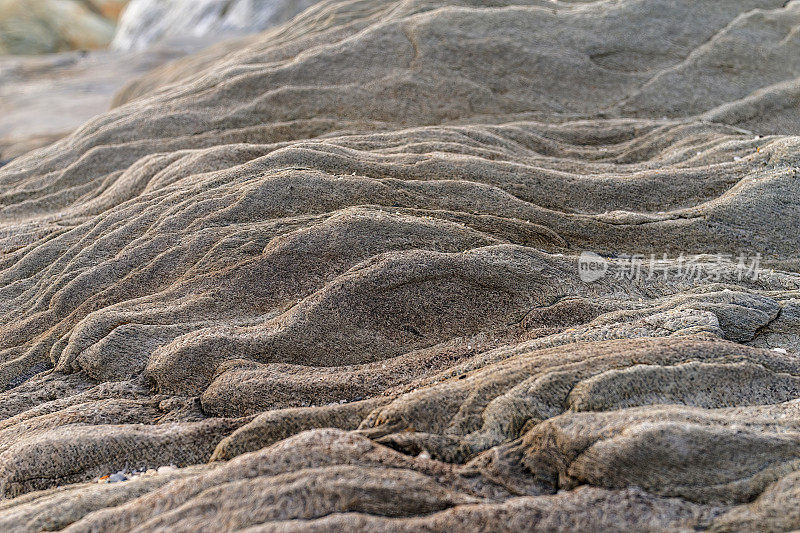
(330, 273)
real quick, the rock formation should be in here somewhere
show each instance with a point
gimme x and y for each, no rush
(331, 273)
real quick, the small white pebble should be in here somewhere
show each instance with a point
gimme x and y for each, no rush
(424, 455)
(737, 158)
(779, 350)
(116, 478)
(166, 469)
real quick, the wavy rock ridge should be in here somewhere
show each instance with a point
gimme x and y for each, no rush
(331, 273)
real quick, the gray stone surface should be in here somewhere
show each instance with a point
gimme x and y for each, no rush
(331, 274)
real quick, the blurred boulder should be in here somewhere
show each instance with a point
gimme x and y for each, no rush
(46, 26)
(148, 21)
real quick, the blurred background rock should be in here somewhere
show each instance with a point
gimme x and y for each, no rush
(47, 26)
(147, 21)
(62, 61)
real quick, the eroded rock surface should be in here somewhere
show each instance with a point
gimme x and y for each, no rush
(331, 273)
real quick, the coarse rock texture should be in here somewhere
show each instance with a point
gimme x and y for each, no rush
(333, 273)
(46, 26)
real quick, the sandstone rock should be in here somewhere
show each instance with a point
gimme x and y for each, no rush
(332, 274)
